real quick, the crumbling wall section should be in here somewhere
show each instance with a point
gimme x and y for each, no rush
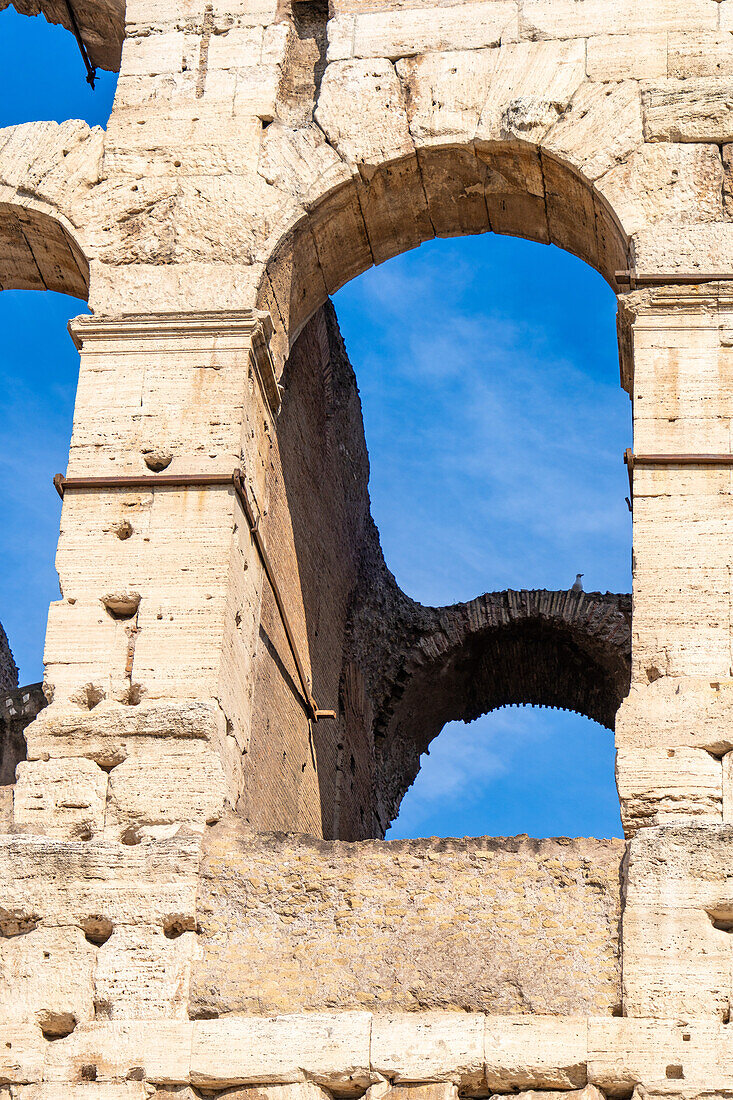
(8, 667)
(502, 926)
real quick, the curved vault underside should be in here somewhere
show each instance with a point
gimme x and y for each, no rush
(424, 666)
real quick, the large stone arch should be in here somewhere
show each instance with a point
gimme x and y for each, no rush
(421, 667)
(47, 174)
(529, 139)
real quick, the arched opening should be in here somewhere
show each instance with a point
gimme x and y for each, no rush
(39, 250)
(407, 669)
(517, 770)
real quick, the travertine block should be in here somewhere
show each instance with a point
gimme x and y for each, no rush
(446, 93)
(120, 1049)
(680, 248)
(535, 1052)
(728, 788)
(531, 86)
(62, 798)
(354, 93)
(46, 978)
(300, 161)
(698, 54)
(454, 186)
(412, 31)
(579, 18)
(624, 1052)
(109, 1090)
(628, 56)
(167, 781)
(143, 972)
(433, 1046)
(670, 182)
(695, 109)
(671, 712)
(111, 732)
(22, 1051)
(679, 909)
(676, 964)
(62, 882)
(665, 786)
(328, 1049)
(394, 205)
(601, 127)
(154, 53)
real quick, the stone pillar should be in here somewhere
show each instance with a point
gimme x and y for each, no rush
(676, 726)
(149, 650)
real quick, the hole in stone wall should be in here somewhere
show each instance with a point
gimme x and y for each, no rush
(133, 695)
(122, 605)
(723, 921)
(97, 930)
(131, 835)
(56, 1025)
(123, 529)
(89, 696)
(175, 926)
(157, 459)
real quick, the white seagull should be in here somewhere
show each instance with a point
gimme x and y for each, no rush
(578, 586)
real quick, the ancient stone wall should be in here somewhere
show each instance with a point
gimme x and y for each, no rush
(258, 156)
(498, 926)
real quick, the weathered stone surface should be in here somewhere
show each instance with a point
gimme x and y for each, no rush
(629, 56)
(528, 920)
(676, 921)
(60, 882)
(159, 1052)
(333, 1049)
(436, 1046)
(364, 90)
(47, 978)
(693, 109)
(63, 798)
(536, 1053)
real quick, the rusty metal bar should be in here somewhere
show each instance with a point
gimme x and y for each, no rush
(237, 482)
(632, 460)
(91, 69)
(630, 278)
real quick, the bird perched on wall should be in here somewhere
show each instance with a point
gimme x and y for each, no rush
(578, 586)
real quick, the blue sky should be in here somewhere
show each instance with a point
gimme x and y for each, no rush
(495, 422)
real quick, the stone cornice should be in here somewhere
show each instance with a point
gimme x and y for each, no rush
(253, 327)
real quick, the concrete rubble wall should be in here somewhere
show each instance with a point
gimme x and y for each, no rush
(499, 926)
